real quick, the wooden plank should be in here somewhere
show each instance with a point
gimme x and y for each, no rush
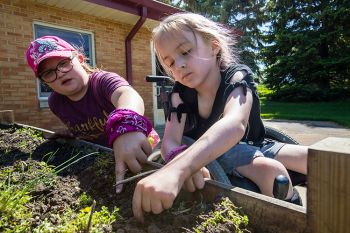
(329, 186)
(7, 117)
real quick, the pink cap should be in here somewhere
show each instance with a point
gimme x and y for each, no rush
(47, 47)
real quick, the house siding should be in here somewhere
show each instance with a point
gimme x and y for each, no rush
(18, 88)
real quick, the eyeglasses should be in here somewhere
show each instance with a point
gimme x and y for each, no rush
(63, 66)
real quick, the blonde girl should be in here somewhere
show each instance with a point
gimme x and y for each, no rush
(215, 103)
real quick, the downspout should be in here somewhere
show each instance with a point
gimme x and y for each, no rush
(128, 39)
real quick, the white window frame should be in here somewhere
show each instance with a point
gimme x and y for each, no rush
(43, 100)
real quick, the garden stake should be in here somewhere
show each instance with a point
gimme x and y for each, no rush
(90, 217)
(135, 177)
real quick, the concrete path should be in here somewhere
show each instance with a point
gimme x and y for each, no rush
(309, 132)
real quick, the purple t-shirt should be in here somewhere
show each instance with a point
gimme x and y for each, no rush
(87, 117)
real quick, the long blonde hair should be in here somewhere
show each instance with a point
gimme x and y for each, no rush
(202, 26)
(88, 68)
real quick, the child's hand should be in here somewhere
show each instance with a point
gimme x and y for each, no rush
(156, 192)
(130, 150)
(196, 181)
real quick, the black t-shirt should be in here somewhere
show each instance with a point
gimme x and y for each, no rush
(196, 126)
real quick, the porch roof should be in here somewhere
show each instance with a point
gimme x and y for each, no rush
(125, 11)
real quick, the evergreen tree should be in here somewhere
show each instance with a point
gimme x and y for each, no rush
(302, 43)
(308, 43)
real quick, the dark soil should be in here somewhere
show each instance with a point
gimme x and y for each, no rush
(94, 175)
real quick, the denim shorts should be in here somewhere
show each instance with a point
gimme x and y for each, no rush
(243, 154)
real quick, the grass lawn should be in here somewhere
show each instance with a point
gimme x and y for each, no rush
(323, 111)
(338, 111)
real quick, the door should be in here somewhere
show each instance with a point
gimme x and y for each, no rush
(158, 110)
(158, 98)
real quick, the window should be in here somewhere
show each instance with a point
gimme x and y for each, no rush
(80, 39)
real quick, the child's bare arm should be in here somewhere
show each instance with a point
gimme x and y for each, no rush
(173, 129)
(154, 193)
(132, 148)
(224, 134)
(127, 97)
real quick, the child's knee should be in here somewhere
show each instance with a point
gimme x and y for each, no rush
(269, 167)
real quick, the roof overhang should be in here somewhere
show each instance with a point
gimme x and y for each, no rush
(124, 11)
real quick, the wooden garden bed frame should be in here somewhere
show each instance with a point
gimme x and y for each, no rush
(328, 191)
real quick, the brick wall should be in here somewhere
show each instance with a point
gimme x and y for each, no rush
(18, 90)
